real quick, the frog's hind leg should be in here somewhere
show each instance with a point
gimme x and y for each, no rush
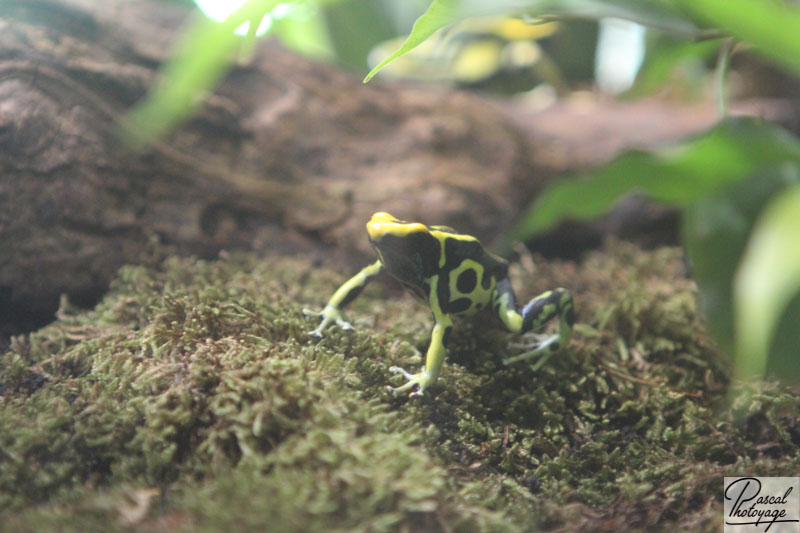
(534, 315)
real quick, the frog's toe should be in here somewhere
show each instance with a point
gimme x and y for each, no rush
(416, 382)
(542, 350)
(310, 313)
(398, 370)
(329, 315)
(344, 324)
(536, 338)
(326, 321)
(394, 391)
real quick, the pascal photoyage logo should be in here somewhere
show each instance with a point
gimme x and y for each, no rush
(759, 504)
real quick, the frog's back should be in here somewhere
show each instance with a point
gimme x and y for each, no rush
(468, 274)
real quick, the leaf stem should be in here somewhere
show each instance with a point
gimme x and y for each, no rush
(721, 76)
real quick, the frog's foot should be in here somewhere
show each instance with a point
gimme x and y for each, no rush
(330, 315)
(537, 338)
(543, 349)
(415, 381)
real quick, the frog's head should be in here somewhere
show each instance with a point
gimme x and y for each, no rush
(407, 250)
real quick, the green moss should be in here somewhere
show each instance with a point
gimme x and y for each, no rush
(192, 398)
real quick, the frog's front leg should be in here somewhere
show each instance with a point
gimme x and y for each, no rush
(433, 360)
(350, 289)
(539, 311)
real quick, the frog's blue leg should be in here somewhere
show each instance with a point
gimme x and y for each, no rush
(350, 289)
(433, 360)
(536, 314)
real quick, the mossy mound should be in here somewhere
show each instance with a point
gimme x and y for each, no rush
(192, 398)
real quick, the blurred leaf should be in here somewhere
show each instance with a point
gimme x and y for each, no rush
(773, 27)
(715, 234)
(663, 58)
(661, 14)
(784, 356)
(355, 27)
(768, 279)
(201, 57)
(680, 175)
(304, 31)
(664, 15)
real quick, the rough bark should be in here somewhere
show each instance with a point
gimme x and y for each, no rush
(285, 155)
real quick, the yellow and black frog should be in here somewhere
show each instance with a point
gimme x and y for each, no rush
(455, 276)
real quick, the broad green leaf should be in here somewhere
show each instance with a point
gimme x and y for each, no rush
(772, 26)
(201, 57)
(767, 281)
(715, 233)
(661, 14)
(679, 175)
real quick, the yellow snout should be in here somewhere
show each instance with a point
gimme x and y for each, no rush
(385, 224)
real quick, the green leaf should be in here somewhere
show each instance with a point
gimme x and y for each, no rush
(715, 233)
(680, 175)
(773, 27)
(203, 52)
(304, 32)
(661, 14)
(438, 15)
(355, 27)
(767, 281)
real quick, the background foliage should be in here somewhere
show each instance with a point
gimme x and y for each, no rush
(700, 175)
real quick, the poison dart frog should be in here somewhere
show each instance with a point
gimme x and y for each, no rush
(454, 275)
